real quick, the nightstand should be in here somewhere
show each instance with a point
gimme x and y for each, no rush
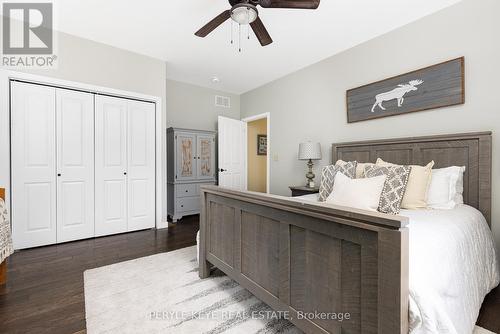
(303, 190)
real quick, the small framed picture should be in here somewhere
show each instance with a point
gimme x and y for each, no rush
(261, 144)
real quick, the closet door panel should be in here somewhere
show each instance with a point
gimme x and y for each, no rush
(110, 165)
(33, 165)
(75, 165)
(141, 165)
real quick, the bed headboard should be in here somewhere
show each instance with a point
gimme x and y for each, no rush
(472, 150)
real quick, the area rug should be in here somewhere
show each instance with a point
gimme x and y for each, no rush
(163, 294)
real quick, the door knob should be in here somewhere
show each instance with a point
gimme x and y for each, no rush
(58, 174)
(124, 173)
(222, 170)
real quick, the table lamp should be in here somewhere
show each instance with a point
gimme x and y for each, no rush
(310, 151)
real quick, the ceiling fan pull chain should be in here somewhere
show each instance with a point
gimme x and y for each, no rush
(239, 37)
(248, 23)
(232, 32)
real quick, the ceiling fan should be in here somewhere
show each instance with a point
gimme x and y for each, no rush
(245, 12)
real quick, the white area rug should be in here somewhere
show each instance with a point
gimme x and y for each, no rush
(162, 294)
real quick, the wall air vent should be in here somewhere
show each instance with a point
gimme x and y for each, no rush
(222, 101)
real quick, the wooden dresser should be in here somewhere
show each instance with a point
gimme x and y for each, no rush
(191, 164)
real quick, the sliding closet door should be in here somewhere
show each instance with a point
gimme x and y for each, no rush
(110, 165)
(141, 165)
(33, 165)
(75, 165)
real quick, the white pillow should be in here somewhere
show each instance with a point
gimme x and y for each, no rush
(357, 193)
(446, 188)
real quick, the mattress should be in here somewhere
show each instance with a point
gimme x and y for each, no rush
(453, 266)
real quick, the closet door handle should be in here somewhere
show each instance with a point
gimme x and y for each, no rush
(124, 173)
(58, 174)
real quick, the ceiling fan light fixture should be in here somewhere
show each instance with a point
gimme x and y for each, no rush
(244, 14)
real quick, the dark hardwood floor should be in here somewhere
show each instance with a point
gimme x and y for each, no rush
(489, 317)
(44, 292)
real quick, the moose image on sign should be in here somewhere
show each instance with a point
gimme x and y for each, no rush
(396, 93)
(432, 87)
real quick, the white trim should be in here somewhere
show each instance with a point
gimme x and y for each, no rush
(267, 116)
(6, 76)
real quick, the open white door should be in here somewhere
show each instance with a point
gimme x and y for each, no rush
(232, 153)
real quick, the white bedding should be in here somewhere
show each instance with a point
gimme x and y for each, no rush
(453, 265)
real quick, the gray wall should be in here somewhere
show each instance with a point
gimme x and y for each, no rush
(310, 104)
(99, 64)
(193, 107)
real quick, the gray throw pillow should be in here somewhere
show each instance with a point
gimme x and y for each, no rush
(394, 187)
(328, 176)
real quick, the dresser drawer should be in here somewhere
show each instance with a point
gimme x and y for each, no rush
(187, 190)
(188, 204)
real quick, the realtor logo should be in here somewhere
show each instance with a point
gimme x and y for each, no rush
(28, 34)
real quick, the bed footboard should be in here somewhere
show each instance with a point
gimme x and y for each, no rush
(331, 269)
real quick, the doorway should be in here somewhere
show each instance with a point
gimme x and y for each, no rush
(258, 152)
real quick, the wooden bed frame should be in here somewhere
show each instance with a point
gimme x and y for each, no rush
(3, 265)
(301, 258)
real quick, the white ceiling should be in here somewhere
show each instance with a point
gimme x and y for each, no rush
(165, 29)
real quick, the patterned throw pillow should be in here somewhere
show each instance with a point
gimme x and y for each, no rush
(360, 168)
(328, 176)
(394, 187)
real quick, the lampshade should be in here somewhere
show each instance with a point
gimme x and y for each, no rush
(309, 150)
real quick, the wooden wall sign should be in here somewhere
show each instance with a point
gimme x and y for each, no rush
(436, 86)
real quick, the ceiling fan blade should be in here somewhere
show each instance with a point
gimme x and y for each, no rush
(298, 4)
(261, 32)
(210, 26)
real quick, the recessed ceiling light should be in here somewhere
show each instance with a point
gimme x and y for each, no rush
(215, 80)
